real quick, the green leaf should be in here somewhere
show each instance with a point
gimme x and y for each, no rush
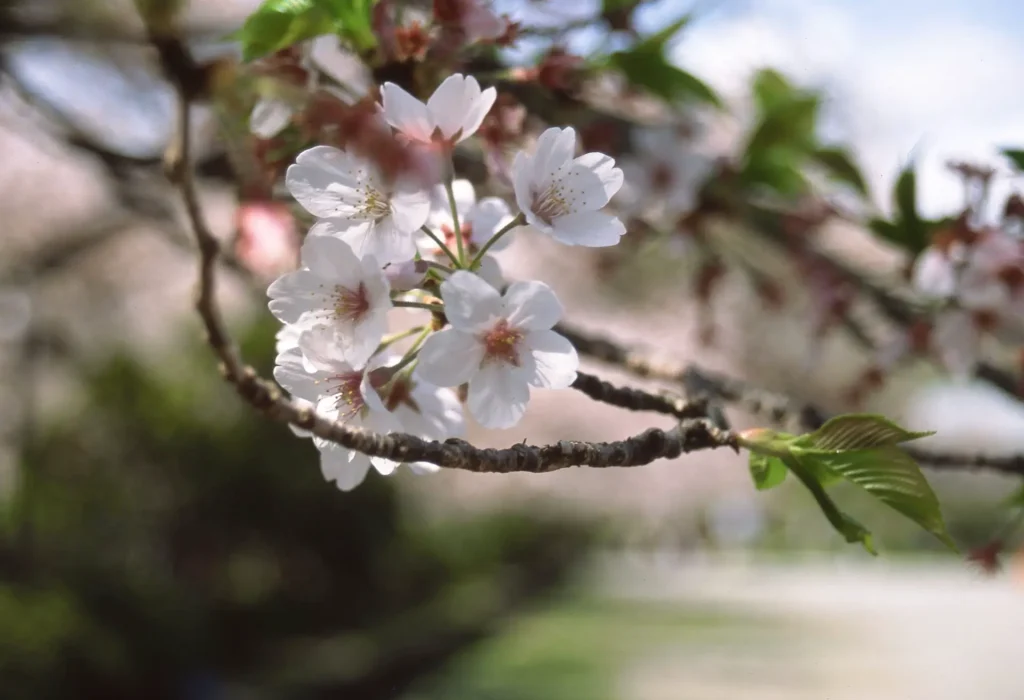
(653, 72)
(849, 528)
(767, 472)
(856, 431)
(278, 24)
(777, 169)
(840, 166)
(905, 195)
(771, 90)
(1016, 155)
(658, 41)
(893, 477)
(791, 123)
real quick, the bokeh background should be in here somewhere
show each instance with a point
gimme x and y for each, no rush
(161, 540)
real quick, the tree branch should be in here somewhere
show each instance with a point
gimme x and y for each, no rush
(777, 408)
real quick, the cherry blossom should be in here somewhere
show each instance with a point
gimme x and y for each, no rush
(664, 176)
(473, 19)
(357, 204)
(424, 410)
(500, 344)
(561, 195)
(453, 113)
(316, 372)
(335, 288)
(267, 241)
(479, 221)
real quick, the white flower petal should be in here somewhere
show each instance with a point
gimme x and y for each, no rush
(410, 208)
(406, 113)
(321, 352)
(489, 216)
(293, 294)
(490, 272)
(594, 229)
(531, 306)
(449, 358)
(474, 116)
(498, 395)
(934, 273)
(424, 468)
(450, 101)
(554, 152)
(270, 117)
(555, 360)
(470, 304)
(291, 374)
(330, 258)
(346, 468)
(596, 177)
(465, 198)
(956, 339)
(359, 341)
(382, 240)
(326, 181)
(522, 172)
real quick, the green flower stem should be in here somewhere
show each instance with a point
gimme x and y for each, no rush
(455, 214)
(518, 221)
(435, 308)
(401, 335)
(444, 248)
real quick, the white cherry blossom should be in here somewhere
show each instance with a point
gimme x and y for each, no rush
(562, 195)
(500, 344)
(453, 113)
(270, 116)
(664, 175)
(357, 204)
(336, 289)
(479, 220)
(316, 372)
(424, 410)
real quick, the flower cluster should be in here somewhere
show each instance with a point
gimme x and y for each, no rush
(978, 277)
(385, 245)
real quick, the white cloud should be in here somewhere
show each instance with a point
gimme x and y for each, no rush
(926, 81)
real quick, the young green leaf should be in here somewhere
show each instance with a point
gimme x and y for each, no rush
(890, 475)
(791, 123)
(856, 431)
(771, 89)
(849, 528)
(657, 42)
(767, 472)
(839, 164)
(278, 24)
(1016, 155)
(653, 72)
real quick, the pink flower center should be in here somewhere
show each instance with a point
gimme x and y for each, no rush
(501, 343)
(351, 304)
(467, 237)
(348, 397)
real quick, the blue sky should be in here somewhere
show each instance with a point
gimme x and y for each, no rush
(930, 78)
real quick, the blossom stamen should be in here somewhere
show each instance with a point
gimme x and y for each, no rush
(376, 204)
(348, 398)
(501, 343)
(552, 203)
(351, 304)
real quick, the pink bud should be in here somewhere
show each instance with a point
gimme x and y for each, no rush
(267, 242)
